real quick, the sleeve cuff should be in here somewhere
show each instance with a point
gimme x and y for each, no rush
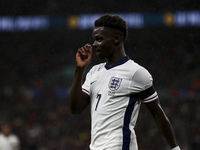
(86, 91)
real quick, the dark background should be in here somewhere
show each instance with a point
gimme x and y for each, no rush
(37, 67)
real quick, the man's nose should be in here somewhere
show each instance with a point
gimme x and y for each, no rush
(94, 45)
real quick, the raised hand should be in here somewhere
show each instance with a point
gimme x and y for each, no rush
(83, 56)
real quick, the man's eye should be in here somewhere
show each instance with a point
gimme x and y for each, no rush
(99, 39)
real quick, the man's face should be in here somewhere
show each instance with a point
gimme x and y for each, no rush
(103, 42)
(6, 130)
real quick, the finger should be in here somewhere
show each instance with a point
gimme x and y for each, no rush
(89, 48)
(82, 53)
(85, 50)
(88, 45)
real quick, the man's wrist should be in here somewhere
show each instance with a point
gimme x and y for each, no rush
(80, 69)
(176, 148)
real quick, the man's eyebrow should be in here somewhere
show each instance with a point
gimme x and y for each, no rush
(97, 35)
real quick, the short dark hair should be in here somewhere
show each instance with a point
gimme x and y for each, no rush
(113, 21)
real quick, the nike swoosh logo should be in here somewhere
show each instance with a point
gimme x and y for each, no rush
(93, 82)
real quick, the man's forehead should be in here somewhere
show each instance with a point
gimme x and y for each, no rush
(98, 29)
(102, 30)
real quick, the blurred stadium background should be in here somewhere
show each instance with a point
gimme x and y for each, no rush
(38, 42)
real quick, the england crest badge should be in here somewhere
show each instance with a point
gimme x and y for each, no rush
(114, 83)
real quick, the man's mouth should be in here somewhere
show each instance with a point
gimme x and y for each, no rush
(97, 52)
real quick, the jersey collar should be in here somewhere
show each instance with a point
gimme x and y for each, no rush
(120, 62)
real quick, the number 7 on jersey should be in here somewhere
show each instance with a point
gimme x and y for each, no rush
(98, 99)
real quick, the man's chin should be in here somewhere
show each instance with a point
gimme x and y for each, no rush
(99, 55)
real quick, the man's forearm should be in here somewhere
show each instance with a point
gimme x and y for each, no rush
(167, 130)
(75, 95)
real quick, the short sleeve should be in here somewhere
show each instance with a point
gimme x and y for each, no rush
(14, 141)
(86, 84)
(142, 80)
(148, 95)
(143, 84)
(89, 77)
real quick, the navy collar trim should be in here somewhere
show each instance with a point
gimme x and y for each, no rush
(120, 62)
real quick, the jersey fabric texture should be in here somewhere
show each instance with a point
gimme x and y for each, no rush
(116, 93)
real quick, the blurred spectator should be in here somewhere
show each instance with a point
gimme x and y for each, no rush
(8, 140)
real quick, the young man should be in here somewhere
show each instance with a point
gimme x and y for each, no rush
(8, 140)
(114, 90)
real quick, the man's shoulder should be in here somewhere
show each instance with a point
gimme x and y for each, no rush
(2, 137)
(13, 138)
(97, 67)
(132, 65)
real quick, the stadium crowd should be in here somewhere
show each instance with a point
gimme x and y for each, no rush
(36, 71)
(65, 7)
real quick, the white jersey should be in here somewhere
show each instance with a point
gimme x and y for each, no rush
(115, 101)
(10, 142)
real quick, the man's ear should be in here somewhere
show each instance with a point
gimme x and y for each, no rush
(117, 39)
